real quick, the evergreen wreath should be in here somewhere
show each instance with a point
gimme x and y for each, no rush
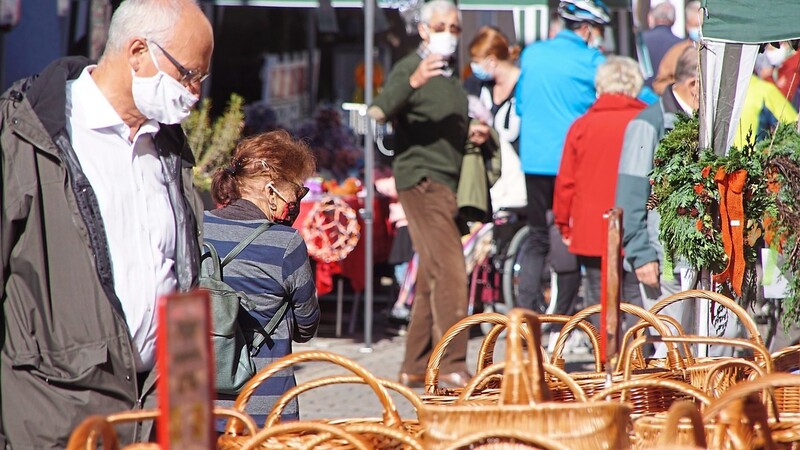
(686, 193)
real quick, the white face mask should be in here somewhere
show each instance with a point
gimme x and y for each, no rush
(161, 97)
(443, 43)
(594, 40)
(776, 56)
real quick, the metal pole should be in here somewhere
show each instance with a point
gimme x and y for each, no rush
(369, 172)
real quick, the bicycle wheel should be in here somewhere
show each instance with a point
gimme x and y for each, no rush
(512, 268)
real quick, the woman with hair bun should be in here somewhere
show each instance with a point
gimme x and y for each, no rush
(493, 62)
(264, 182)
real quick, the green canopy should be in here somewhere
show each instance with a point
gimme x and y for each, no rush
(751, 21)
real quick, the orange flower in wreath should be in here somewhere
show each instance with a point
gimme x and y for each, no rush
(706, 171)
(698, 189)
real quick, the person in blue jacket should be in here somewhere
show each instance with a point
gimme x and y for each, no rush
(556, 86)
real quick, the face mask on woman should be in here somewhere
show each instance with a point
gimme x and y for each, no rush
(479, 72)
(161, 97)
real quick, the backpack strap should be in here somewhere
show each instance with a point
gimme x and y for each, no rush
(216, 270)
(260, 336)
(245, 242)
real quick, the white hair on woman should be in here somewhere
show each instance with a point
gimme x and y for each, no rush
(619, 75)
(154, 20)
(438, 6)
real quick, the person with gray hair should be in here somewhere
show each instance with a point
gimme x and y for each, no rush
(587, 179)
(99, 220)
(659, 38)
(428, 108)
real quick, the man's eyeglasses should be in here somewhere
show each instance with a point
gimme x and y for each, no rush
(441, 26)
(188, 76)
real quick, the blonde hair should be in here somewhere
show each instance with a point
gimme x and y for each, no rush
(619, 75)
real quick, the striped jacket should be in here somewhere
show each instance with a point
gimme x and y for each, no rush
(271, 270)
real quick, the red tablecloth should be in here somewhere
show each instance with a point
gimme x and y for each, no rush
(352, 267)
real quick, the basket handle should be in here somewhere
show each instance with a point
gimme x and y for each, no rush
(84, 436)
(672, 354)
(484, 375)
(787, 360)
(740, 312)
(637, 330)
(521, 436)
(740, 390)
(490, 341)
(390, 415)
(523, 385)
(683, 409)
(274, 416)
(717, 368)
(153, 414)
(675, 385)
(328, 431)
(435, 361)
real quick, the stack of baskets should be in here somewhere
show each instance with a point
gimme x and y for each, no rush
(524, 401)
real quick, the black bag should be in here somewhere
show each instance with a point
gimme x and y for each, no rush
(233, 353)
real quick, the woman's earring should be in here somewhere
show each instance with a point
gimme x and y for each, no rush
(273, 206)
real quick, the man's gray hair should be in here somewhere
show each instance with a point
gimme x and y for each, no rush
(663, 14)
(686, 66)
(437, 6)
(692, 7)
(154, 20)
(619, 75)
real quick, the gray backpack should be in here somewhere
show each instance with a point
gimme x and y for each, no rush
(233, 350)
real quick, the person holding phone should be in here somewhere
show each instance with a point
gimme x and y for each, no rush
(429, 111)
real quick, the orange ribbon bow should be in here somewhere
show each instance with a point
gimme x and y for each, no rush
(731, 211)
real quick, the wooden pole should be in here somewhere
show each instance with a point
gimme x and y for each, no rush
(611, 276)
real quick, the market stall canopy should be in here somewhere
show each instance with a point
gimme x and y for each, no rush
(751, 22)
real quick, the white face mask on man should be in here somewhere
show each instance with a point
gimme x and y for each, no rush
(443, 43)
(161, 97)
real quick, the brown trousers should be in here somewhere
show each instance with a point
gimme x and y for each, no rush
(440, 297)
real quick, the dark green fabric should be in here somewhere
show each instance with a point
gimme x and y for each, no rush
(749, 21)
(430, 125)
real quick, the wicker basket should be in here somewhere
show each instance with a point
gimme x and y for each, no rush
(490, 373)
(787, 399)
(523, 405)
(505, 440)
(720, 372)
(410, 426)
(85, 436)
(235, 438)
(697, 368)
(644, 400)
(436, 394)
(681, 429)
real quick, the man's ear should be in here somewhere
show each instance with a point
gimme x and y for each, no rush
(423, 31)
(135, 50)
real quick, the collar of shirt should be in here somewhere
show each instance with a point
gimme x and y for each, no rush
(92, 109)
(684, 106)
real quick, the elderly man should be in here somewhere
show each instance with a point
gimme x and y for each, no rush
(428, 108)
(659, 38)
(98, 222)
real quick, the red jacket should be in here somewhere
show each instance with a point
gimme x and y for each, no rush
(587, 179)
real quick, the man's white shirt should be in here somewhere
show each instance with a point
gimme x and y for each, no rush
(131, 191)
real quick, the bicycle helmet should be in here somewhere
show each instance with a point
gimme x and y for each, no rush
(594, 11)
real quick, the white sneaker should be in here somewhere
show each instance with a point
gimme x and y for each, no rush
(577, 344)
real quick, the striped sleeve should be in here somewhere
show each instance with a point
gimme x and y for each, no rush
(300, 285)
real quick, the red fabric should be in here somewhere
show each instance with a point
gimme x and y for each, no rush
(587, 179)
(787, 80)
(352, 267)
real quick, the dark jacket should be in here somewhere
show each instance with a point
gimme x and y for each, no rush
(658, 41)
(67, 351)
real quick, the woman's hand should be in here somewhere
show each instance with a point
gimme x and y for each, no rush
(428, 68)
(478, 133)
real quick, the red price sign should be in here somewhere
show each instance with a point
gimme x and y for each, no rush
(185, 362)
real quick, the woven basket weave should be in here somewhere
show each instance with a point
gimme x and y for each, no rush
(787, 399)
(524, 404)
(235, 438)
